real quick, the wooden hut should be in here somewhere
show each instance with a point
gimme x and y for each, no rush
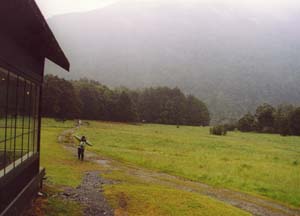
(25, 41)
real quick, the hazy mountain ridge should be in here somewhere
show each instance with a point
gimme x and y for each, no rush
(233, 59)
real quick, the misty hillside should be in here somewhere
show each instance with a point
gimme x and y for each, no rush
(231, 58)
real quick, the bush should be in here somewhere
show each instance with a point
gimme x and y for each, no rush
(246, 123)
(219, 130)
(230, 126)
(294, 122)
(267, 130)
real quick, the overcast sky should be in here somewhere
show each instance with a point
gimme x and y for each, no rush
(54, 7)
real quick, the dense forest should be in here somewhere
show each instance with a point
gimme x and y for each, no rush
(284, 120)
(89, 99)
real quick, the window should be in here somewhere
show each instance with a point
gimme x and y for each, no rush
(3, 114)
(19, 102)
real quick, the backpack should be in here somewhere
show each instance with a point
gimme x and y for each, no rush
(81, 145)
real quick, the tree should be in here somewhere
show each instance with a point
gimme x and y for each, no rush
(90, 103)
(94, 97)
(196, 112)
(125, 109)
(89, 99)
(246, 123)
(219, 130)
(265, 115)
(60, 99)
(282, 118)
(172, 106)
(149, 105)
(294, 122)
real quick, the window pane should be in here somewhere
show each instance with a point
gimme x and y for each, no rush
(11, 118)
(19, 103)
(21, 113)
(37, 119)
(3, 104)
(27, 113)
(18, 147)
(3, 96)
(25, 145)
(32, 117)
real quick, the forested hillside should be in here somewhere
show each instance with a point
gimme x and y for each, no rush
(87, 99)
(233, 58)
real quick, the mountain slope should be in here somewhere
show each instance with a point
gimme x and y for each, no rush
(232, 58)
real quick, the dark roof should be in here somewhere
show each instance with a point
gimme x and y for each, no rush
(23, 21)
(54, 52)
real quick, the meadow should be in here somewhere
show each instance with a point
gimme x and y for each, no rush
(143, 198)
(260, 164)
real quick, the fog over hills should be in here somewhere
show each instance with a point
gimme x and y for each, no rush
(232, 58)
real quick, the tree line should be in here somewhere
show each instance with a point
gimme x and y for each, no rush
(284, 120)
(88, 99)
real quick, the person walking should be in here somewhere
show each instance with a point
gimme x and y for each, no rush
(81, 147)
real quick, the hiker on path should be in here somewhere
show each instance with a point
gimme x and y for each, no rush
(81, 147)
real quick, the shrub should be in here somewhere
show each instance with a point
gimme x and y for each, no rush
(246, 123)
(219, 130)
(294, 122)
(267, 130)
(230, 126)
(265, 116)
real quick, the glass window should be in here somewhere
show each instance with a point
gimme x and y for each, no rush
(36, 129)
(11, 119)
(19, 103)
(20, 119)
(34, 111)
(31, 117)
(3, 106)
(27, 118)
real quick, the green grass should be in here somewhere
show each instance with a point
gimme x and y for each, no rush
(58, 207)
(63, 168)
(129, 195)
(261, 164)
(54, 206)
(157, 200)
(133, 196)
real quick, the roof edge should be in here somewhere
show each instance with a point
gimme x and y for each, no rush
(53, 50)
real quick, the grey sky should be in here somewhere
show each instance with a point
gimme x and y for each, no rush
(54, 7)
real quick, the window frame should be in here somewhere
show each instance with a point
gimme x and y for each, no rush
(20, 105)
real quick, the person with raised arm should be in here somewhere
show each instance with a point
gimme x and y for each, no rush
(81, 147)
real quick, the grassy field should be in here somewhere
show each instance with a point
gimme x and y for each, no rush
(261, 164)
(62, 170)
(62, 166)
(142, 198)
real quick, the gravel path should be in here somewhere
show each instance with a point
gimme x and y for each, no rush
(89, 194)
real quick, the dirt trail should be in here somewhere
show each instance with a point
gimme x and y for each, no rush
(89, 193)
(255, 205)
